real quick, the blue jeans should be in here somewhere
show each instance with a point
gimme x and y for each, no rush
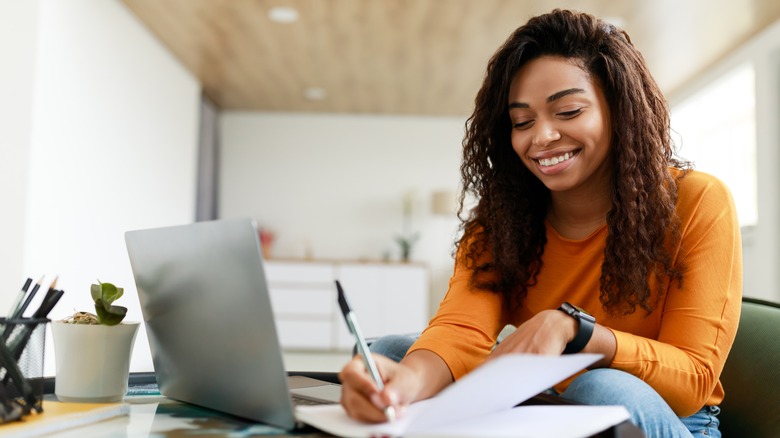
(606, 386)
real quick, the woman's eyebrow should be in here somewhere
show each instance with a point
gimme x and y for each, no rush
(518, 105)
(553, 97)
(563, 93)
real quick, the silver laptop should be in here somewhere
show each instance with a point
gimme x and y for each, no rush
(208, 316)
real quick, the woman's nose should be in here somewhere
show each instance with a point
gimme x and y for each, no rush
(545, 133)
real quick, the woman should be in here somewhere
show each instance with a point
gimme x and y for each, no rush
(581, 205)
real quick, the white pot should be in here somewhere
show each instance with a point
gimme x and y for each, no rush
(92, 361)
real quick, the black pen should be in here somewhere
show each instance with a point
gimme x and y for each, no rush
(20, 342)
(362, 347)
(48, 303)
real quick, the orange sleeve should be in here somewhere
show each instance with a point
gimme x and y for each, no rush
(700, 316)
(466, 325)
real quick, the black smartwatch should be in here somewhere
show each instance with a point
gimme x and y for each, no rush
(585, 330)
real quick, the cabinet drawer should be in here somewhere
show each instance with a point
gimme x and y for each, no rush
(305, 335)
(302, 301)
(299, 273)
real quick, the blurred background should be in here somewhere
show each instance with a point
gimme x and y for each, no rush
(335, 124)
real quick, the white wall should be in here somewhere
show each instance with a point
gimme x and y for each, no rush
(761, 244)
(331, 186)
(18, 35)
(112, 148)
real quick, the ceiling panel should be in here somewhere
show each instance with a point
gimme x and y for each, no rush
(412, 57)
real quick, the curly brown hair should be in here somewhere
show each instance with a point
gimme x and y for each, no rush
(508, 220)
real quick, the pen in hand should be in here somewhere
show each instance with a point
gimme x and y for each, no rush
(362, 347)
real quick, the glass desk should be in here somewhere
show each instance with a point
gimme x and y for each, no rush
(153, 415)
(157, 416)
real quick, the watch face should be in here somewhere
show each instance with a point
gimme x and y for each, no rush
(576, 312)
(568, 308)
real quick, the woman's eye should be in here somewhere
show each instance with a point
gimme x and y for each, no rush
(522, 125)
(570, 114)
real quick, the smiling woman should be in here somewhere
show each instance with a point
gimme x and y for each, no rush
(589, 235)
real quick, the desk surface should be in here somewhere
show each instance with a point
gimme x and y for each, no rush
(153, 415)
(159, 416)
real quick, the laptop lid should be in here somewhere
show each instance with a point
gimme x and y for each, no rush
(208, 317)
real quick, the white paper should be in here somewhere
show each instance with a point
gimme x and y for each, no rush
(493, 388)
(560, 421)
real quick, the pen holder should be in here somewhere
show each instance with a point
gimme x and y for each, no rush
(21, 366)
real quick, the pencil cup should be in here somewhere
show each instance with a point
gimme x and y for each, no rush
(92, 361)
(21, 365)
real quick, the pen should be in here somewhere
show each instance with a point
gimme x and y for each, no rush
(19, 297)
(20, 342)
(48, 303)
(20, 311)
(368, 361)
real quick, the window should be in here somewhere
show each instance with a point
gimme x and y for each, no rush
(716, 129)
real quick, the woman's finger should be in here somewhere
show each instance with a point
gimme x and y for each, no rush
(355, 375)
(360, 395)
(361, 408)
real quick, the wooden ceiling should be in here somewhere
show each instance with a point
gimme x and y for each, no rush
(412, 57)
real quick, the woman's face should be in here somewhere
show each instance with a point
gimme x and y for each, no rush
(560, 124)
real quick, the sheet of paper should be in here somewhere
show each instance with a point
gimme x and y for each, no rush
(496, 386)
(334, 420)
(535, 422)
(561, 421)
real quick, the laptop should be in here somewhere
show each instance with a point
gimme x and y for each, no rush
(211, 329)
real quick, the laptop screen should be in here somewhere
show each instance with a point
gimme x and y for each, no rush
(208, 317)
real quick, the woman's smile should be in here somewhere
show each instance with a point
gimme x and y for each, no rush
(556, 163)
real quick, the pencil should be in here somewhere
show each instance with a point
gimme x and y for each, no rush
(20, 311)
(53, 285)
(19, 297)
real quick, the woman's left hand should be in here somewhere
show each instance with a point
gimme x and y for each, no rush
(547, 332)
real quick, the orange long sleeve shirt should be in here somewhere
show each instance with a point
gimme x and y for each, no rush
(679, 349)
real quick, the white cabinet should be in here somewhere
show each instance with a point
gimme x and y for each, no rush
(387, 298)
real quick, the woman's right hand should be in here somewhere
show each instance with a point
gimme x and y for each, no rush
(360, 396)
(421, 374)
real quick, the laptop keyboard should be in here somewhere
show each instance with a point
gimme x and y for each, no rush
(304, 401)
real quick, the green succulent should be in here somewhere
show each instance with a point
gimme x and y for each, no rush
(104, 294)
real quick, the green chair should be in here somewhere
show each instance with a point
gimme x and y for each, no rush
(751, 376)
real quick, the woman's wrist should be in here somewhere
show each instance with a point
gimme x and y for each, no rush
(604, 343)
(567, 325)
(427, 374)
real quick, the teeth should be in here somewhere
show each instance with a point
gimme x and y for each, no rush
(555, 160)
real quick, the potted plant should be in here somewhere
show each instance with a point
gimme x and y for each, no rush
(92, 351)
(407, 238)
